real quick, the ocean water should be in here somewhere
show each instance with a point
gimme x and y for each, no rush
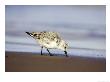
(82, 27)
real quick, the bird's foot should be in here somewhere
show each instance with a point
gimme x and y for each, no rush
(67, 56)
(51, 55)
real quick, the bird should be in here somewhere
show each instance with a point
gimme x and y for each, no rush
(49, 40)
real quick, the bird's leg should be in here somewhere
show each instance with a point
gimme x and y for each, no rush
(66, 53)
(41, 50)
(49, 52)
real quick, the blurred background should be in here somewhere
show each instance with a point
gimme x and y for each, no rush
(82, 27)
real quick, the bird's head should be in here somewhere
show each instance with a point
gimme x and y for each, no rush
(33, 34)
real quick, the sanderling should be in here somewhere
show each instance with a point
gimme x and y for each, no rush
(49, 40)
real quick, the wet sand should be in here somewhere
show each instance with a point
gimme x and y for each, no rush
(31, 62)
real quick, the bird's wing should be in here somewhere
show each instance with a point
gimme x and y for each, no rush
(53, 36)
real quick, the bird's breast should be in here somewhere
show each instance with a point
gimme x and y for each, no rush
(48, 44)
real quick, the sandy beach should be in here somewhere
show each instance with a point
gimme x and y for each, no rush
(32, 62)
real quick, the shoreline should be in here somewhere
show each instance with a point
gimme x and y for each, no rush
(29, 62)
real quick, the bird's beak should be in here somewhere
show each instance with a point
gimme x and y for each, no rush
(29, 33)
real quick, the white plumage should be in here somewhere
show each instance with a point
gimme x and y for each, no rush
(49, 40)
